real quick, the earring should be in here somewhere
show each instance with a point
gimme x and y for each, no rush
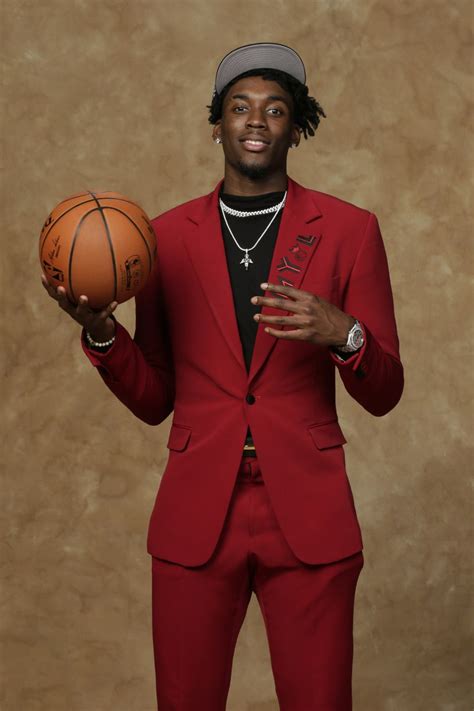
(217, 140)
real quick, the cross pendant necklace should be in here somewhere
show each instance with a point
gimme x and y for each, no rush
(246, 260)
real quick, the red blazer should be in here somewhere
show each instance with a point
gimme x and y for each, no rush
(186, 356)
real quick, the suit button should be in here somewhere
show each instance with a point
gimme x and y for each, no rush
(250, 398)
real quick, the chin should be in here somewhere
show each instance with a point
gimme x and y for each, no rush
(255, 171)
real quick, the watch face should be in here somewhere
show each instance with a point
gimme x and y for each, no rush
(358, 338)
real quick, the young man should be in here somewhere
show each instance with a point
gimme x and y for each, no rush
(261, 290)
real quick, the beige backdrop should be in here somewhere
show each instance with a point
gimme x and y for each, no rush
(112, 96)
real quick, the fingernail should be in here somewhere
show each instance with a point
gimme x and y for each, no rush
(254, 300)
(264, 285)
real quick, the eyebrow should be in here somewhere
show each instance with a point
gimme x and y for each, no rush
(272, 97)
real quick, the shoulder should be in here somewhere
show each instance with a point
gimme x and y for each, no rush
(347, 226)
(337, 207)
(179, 212)
(348, 223)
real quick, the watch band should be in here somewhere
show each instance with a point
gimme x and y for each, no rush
(355, 339)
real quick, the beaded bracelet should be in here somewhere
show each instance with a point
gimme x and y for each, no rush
(96, 343)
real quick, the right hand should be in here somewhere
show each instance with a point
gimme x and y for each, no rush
(97, 322)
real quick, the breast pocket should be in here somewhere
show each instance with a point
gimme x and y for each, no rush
(179, 437)
(327, 434)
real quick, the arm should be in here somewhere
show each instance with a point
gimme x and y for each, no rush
(373, 375)
(139, 371)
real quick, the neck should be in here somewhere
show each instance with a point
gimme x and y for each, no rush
(237, 184)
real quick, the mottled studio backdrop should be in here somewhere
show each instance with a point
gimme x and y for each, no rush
(112, 95)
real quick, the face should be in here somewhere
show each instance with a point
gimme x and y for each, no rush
(256, 127)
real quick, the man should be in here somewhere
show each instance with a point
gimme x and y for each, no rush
(261, 290)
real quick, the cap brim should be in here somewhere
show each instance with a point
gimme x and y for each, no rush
(263, 55)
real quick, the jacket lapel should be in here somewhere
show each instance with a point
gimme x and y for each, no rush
(205, 247)
(298, 238)
(295, 245)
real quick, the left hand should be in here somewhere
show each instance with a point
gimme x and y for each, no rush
(315, 319)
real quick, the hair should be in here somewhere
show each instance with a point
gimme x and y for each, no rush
(306, 110)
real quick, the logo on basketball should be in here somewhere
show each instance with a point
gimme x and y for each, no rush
(47, 223)
(133, 272)
(52, 271)
(54, 253)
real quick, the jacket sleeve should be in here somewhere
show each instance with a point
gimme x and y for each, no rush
(374, 374)
(139, 371)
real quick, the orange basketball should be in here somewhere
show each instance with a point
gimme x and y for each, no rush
(98, 244)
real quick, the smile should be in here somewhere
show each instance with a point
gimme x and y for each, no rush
(254, 145)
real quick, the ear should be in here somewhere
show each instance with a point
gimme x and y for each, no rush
(295, 135)
(217, 131)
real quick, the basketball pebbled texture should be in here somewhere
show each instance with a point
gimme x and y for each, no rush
(98, 244)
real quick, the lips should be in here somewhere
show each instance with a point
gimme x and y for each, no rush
(254, 143)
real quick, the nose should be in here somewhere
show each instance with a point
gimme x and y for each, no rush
(256, 119)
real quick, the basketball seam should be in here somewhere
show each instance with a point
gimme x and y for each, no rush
(53, 224)
(78, 205)
(111, 246)
(73, 245)
(117, 209)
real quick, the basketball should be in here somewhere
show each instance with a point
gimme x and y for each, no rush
(99, 244)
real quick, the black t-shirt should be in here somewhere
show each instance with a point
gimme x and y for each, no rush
(246, 282)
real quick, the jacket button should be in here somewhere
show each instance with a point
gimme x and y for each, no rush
(250, 398)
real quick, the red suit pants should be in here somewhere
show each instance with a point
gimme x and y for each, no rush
(197, 613)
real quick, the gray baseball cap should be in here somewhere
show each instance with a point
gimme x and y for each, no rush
(262, 55)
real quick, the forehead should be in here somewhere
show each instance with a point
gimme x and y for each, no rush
(257, 88)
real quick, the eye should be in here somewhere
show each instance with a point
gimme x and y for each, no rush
(236, 108)
(278, 111)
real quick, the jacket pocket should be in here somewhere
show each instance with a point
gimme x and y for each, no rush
(179, 437)
(327, 434)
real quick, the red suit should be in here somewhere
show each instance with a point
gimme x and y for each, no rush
(186, 356)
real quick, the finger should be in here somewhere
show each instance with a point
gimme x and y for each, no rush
(64, 301)
(105, 313)
(299, 321)
(49, 288)
(295, 335)
(97, 315)
(287, 290)
(276, 303)
(82, 308)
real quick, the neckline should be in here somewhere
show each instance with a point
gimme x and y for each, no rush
(251, 198)
(252, 202)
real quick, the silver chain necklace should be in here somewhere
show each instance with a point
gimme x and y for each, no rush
(246, 260)
(251, 213)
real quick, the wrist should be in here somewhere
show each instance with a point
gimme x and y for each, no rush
(101, 346)
(342, 341)
(106, 333)
(355, 339)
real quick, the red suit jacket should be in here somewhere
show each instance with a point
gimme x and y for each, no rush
(186, 356)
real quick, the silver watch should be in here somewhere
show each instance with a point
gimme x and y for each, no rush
(355, 339)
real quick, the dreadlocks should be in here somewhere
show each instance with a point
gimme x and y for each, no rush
(306, 109)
